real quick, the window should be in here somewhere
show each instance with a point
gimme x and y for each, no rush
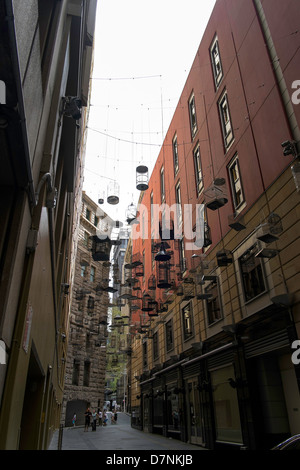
(252, 274)
(192, 113)
(216, 62)
(86, 239)
(86, 374)
(169, 336)
(155, 345)
(162, 185)
(83, 271)
(151, 210)
(92, 274)
(182, 260)
(236, 183)
(153, 251)
(225, 120)
(145, 355)
(175, 154)
(187, 320)
(213, 304)
(96, 221)
(198, 171)
(88, 214)
(75, 374)
(178, 205)
(91, 303)
(48, 23)
(226, 406)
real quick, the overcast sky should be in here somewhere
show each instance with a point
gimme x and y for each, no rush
(143, 53)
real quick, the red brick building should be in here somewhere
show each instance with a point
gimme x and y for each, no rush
(227, 317)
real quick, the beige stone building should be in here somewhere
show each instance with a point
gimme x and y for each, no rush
(46, 50)
(86, 353)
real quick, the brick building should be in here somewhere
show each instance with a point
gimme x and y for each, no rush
(213, 362)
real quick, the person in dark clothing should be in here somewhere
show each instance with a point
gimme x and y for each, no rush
(88, 415)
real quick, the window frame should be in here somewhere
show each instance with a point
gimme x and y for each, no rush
(145, 354)
(250, 253)
(178, 204)
(169, 337)
(198, 169)
(175, 154)
(162, 185)
(182, 258)
(92, 274)
(155, 344)
(187, 331)
(211, 317)
(228, 136)
(235, 162)
(218, 76)
(193, 115)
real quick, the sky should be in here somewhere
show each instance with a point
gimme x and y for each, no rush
(144, 51)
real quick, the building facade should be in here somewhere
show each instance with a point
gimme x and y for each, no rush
(215, 360)
(87, 335)
(45, 63)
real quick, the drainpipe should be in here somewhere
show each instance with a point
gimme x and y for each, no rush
(16, 71)
(278, 74)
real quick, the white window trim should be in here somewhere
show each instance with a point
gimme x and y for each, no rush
(227, 130)
(237, 207)
(217, 76)
(192, 112)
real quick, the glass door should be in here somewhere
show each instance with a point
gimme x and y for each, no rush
(195, 416)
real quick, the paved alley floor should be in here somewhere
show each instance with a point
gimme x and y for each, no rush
(117, 437)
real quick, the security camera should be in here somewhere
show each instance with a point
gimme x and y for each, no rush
(72, 107)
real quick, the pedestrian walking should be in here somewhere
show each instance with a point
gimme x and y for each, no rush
(115, 417)
(104, 419)
(94, 420)
(74, 419)
(87, 419)
(100, 417)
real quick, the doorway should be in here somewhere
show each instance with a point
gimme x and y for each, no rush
(32, 406)
(195, 418)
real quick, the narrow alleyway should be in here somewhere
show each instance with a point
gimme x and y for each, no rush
(120, 436)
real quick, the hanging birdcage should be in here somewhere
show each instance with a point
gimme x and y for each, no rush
(188, 289)
(203, 239)
(113, 193)
(275, 223)
(131, 213)
(100, 248)
(101, 197)
(224, 257)
(148, 303)
(163, 274)
(152, 282)
(195, 263)
(237, 223)
(162, 255)
(142, 178)
(216, 195)
(137, 265)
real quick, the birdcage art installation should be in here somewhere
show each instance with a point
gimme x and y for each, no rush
(142, 178)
